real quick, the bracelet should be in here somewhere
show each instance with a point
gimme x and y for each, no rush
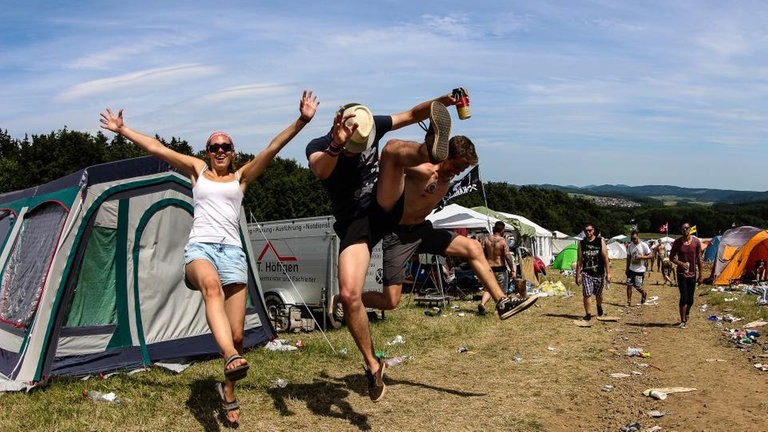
(305, 119)
(332, 150)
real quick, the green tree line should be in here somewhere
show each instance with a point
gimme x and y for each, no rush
(288, 190)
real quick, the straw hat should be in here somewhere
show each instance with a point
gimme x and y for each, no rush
(365, 134)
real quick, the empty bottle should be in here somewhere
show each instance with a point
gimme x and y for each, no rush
(395, 362)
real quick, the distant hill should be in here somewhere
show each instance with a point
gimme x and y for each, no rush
(665, 194)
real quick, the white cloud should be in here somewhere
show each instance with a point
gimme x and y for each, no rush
(150, 77)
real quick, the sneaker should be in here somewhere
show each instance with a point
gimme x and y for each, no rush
(599, 311)
(587, 317)
(480, 310)
(681, 325)
(642, 299)
(509, 306)
(376, 386)
(440, 127)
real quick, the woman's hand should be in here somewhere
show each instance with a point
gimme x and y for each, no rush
(110, 122)
(308, 105)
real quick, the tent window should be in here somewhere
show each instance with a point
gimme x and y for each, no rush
(94, 299)
(28, 264)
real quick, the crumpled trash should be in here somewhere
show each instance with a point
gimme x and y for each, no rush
(753, 324)
(396, 340)
(607, 388)
(553, 288)
(632, 427)
(656, 413)
(279, 345)
(279, 383)
(661, 393)
(98, 396)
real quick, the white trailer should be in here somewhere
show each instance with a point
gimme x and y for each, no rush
(297, 261)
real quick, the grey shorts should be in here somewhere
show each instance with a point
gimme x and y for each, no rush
(502, 277)
(635, 279)
(404, 241)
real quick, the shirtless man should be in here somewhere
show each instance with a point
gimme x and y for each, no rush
(413, 179)
(660, 254)
(497, 253)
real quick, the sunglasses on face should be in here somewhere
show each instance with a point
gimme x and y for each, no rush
(213, 148)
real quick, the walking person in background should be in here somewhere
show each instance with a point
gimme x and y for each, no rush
(497, 253)
(637, 254)
(215, 262)
(660, 254)
(686, 255)
(592, 270)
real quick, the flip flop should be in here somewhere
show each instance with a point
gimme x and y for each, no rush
(226, 406)
(236, 373)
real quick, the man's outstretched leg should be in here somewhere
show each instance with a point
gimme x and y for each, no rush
(505, 306)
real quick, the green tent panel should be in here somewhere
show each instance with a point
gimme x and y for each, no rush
(566, 258)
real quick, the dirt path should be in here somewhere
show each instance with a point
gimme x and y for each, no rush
(730, 392)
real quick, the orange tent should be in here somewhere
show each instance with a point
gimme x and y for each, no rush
(739, 249)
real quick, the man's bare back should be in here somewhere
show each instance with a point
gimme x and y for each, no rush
(496, 249)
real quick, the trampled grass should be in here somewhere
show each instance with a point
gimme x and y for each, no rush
(462, 372)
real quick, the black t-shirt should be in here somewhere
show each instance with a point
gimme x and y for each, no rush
(351, 184)
(592, 262)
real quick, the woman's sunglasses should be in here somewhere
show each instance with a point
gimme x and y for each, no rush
(213, 148)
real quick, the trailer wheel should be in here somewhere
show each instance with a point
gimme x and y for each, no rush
(276, 312)
(336, 313)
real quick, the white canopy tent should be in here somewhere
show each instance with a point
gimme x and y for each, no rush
(541, 241)
(455, 216)
(560, 241)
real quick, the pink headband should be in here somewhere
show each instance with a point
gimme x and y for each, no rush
(217, 133)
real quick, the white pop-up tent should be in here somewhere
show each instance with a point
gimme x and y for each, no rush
(454, 216)
(541, 240)
(560, 241)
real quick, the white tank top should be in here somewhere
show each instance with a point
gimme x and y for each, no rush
(217, 211)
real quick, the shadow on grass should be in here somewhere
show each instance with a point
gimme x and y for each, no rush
(203, 402)
(323, 398)
(653, 324)
(327, 396)
(566, 316)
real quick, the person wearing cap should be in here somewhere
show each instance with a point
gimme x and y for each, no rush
(215, 262)
(346, 161)
(637, 254)
(686, 255)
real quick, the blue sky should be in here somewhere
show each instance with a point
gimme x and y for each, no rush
(563, 92)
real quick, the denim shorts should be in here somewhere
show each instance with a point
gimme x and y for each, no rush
(228, 260)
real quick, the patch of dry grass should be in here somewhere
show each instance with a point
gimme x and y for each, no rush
(532, 372)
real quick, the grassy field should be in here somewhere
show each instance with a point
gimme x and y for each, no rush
(534, 372)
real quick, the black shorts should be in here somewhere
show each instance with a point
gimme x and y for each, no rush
(404, 241)
(372, 227)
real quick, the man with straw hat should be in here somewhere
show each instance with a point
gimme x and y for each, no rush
(346, 161)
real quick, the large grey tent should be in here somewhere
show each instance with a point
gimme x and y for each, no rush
(92, 277)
